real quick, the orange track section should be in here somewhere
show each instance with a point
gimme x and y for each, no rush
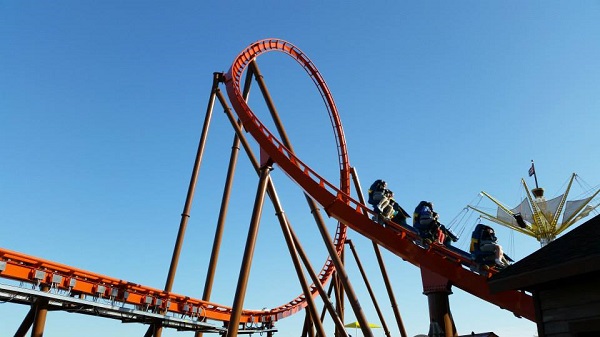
(26, 268)
(341, 206)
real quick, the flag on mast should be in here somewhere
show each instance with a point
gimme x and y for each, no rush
(531, 169)
(532, 173)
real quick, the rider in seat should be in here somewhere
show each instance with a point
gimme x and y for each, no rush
(384, 205)
(485, 249)
(380, 197)
(425, 221)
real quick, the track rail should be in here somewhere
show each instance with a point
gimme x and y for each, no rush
(21, 267)
(338, 204)
(454, 265)
(242, 61)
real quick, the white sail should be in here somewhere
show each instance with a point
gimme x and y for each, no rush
(552, 205)
(572, 207)
(524, 208)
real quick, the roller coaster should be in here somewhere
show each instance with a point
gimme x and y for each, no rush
(46, 285)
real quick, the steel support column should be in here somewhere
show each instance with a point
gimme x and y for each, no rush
(242, 284)
(438, 289)
(315, 279)
(41, 310)
(214, 256)
(369, 289)
(325, 307)
(217, 77)
(307, 327)
(339, 267)
(384, 274)
(338, 289)
(26, 324)
(291, 244)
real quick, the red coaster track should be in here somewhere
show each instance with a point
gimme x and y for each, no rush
(338, 204)
(454, 265)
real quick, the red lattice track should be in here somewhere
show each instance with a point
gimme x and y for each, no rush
(453, 265)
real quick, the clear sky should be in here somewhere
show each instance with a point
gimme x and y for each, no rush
(102, 104)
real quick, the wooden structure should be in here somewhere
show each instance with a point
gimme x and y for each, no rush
(563, 278)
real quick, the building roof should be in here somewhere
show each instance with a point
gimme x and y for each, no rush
(575, 253)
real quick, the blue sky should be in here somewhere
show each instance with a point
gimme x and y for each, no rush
(102, 104)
